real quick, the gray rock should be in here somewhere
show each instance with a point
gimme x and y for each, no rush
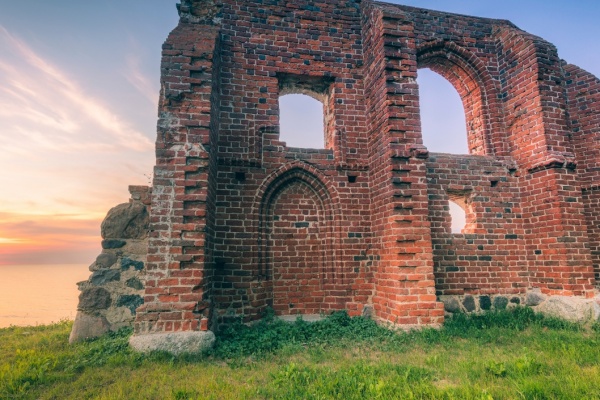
(134, 283)
(104, 276)
(131, 301)
(515, 300)
(367, 312)
(173, 342)
(469, 303)
(451, 304)
(94, 298)
(534, 298)
(136, 247)
(500, 303)
(83, 285)
(118, 317)
(485, 303)
(126, 221)
(574, 309)
(106, 260)
(113, 244)
(127, 262)
(310, 318)
(88, 326)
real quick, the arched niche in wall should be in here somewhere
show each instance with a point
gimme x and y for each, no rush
(296, 231)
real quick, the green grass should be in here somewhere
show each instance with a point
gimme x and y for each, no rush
(503, 355)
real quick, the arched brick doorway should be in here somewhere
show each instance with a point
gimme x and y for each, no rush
(297, 243)
(296, 249)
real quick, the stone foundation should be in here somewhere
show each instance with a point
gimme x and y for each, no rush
(173, 342)
(575, 309)
(115, 289)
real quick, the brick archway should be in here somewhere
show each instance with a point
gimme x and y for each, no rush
(477, 91)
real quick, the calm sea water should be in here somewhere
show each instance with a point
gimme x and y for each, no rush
(39, 294)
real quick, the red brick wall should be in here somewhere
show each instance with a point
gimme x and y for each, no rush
(177, 281)
(584, 110)
(556, 230)
(264, 52)
(296, 249)
(591, 198)
(241, 222)
(403, 276)
(488, 256)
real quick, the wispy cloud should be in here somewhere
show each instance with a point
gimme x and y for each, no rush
(78, 110)
(36, 93)
(58, 141)
(139, 80)
(135, 75)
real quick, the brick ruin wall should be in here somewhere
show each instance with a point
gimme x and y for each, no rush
(241, 223)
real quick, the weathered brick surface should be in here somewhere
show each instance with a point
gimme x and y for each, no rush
(488, 256)
(241, 222)
(583, 99)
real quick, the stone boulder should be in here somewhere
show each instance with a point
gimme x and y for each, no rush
(574, 309)
(105, 260)
(88, 326)
(174, 342)
(126, 221)
(94, 298)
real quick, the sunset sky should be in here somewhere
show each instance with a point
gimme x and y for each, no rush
(79, 83)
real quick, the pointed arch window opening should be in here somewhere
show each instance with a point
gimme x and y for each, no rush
(443, 117)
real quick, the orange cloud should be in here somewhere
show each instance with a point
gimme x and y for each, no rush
(48, 239)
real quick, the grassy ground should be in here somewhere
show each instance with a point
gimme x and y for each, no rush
(506, 355)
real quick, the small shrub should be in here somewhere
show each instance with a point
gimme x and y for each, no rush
(184, 394)
(525, 366)
(496, 368)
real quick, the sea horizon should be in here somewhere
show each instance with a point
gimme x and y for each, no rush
(39, 294)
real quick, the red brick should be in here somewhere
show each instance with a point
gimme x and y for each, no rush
(239, 219)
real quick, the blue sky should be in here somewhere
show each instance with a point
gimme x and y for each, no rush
(79, 84)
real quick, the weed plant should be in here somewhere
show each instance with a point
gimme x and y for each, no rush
(498, 355)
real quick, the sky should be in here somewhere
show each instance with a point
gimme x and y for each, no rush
(79, 84)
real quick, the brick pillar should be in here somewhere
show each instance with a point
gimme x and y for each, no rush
(404, 281)
(538, 129)
(583, 91)
(176, 311)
